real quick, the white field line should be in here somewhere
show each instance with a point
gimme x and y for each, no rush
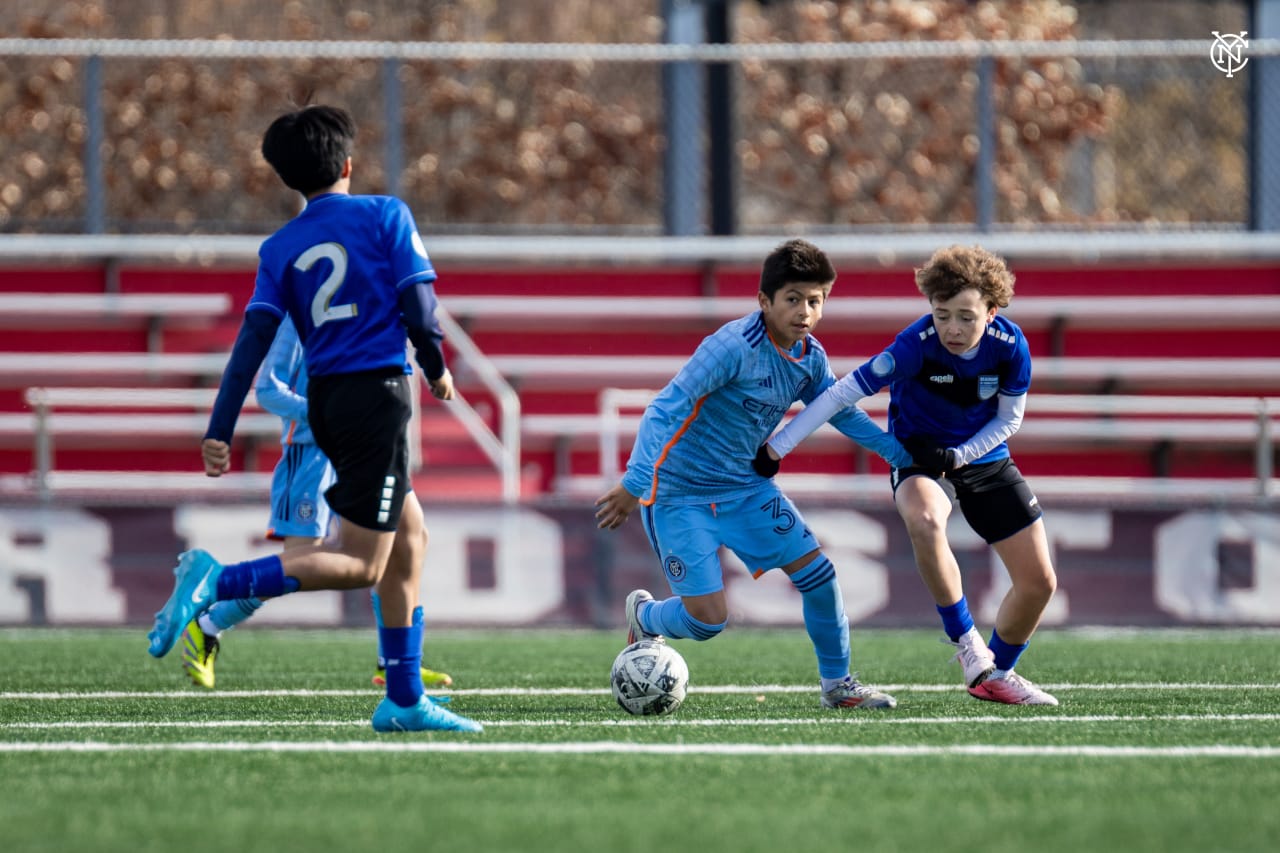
(400, 746)
(594, 691)
(671, 722)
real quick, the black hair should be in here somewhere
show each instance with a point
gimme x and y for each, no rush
(795, 262)
(308, 148)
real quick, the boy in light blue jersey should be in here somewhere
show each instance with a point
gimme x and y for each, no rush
(353, 275)
(300, 515)
(690, 473)
(958, 379)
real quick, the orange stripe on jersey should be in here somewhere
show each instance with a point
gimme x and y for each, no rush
(757, 574)
(288, 437)
(788, 356)
(662, 457)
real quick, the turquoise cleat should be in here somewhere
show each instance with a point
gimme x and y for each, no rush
(194, 592)
(425, 716)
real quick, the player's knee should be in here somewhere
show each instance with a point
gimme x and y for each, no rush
(701, 630)
(925, 525)
(368, 573)
(712, 614)
(1040, 586)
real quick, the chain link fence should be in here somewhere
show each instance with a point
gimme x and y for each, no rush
(116, 136)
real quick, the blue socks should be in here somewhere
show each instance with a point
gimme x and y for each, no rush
(670, 618)
(956, 619)
(1006, 654)
(400, 654)
(260, 578)
(824, 616)
(402, 651)
(228, 614)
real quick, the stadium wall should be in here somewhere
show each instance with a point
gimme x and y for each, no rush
(1153, 563)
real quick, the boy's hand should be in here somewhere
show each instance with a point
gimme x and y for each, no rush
(217, 457)
(927, 453)
(766, 464)
(442, 388)
(613, 507)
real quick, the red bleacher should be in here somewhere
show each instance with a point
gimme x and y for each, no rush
(632, 337)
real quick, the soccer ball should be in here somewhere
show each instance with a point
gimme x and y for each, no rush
(649, 678)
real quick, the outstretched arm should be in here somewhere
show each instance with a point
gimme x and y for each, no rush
(839, 396)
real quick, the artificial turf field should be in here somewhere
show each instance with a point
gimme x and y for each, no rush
(1165, 740)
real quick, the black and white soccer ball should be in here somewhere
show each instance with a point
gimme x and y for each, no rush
(649, 678)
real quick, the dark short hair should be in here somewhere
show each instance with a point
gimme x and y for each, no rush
(795, 262)
(308, 148)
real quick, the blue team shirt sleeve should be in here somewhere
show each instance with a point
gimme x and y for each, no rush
(409, 259)
(277, 379)
(1017, 378)
(713, 365)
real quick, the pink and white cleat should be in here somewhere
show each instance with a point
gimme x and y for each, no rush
(975, 658)
(1011, 689)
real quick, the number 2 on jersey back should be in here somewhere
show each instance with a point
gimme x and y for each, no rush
(321, 310)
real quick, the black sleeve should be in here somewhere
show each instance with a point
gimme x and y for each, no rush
(256, 334)
(418, 306)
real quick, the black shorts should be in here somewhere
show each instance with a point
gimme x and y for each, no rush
(358, 420)
(994, 498)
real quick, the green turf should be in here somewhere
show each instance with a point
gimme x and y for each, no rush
(165, 788)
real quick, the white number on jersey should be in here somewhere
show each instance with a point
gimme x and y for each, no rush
(321, 310)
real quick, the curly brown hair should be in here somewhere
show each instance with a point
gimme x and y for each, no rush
(957, 268)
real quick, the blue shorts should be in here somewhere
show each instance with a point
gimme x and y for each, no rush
(298, 507)
(764, 529)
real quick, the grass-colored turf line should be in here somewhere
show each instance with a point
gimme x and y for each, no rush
(249, 801)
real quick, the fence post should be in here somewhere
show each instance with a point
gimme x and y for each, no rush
(1264, 123)
(984, 170)
(682, 170)
(95, 186)
(392, 121)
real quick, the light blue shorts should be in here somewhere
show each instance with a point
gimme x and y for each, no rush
(764, 529)
(298, 507)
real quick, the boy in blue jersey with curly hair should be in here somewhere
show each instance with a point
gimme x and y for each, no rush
(958, 379)
(352, 274)
(690, 473)
(300, 515)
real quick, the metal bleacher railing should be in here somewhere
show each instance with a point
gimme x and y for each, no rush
(1056, 415)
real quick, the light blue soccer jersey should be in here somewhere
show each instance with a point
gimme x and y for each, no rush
(337, 269)
(945, 396)
(282, 385)
(698, 436)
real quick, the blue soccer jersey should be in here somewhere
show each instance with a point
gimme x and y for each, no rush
(698, 436)
(944, 396)
(338, 269)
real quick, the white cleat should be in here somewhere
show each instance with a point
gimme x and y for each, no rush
(975, 658)
(1011, 689)
(852, 693)
(635, 631)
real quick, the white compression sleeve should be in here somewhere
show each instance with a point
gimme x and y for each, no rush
(998, 430)
(843, 394)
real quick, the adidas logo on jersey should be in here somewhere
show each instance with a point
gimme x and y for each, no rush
(767, 382)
